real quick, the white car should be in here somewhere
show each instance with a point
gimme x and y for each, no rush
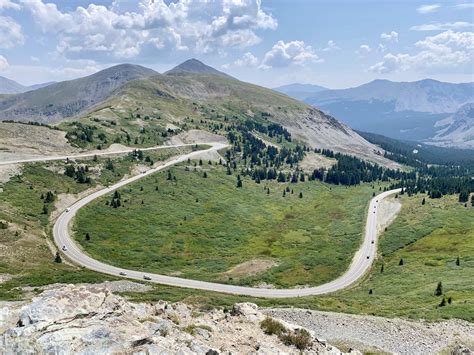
(68, 209)
(64, 248)
(145, 277)
(122, 273)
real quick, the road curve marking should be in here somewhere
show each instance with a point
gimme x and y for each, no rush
(360, 264)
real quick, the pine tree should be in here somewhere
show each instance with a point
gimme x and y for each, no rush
(45, 209)
(301, 195)
(57, 258)
(443, 302)
(400, 262)
(381, 269)
(423, 201)
(450, 300)
(169, 177)
(439, 289)
(458, 262)
(204, 175)
(370, 291)
(239, 181)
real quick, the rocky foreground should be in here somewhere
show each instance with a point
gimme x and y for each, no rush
(90, 319)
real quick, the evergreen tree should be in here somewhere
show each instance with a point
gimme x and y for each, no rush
(381, 269)
(370, 291)
(443, 302)
(463, 196)
(239, 181)
(439, 289)
(423, 201)
(45, 209)
(450, 300)
(57, 258)
(301, 195)
(204, 175)
(458, 262)
(400, 262)
(169, 177)
(88, 237)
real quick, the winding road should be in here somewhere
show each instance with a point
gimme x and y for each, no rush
(361, 262)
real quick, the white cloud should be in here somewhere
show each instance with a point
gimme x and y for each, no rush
(331, 46)
(381, 47)
(127, 29)
(247, 60)
(365, 48)
(426, 9)
(34, 59)
(464, 6)
(446, 50)
(10, 33)
(286, 53)
(389, 37)
(8, 4)
(459, 25)
(3, 63)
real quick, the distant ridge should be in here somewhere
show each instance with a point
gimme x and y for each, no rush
(8, 86)
(195, 66)
(300, 91)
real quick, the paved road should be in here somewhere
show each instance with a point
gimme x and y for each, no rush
(90, 155)
(360, 264)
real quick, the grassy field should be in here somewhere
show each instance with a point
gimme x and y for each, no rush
(428, 238)
(201, 228)
(26, 252)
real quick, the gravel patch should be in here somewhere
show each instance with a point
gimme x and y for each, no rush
(387, 334)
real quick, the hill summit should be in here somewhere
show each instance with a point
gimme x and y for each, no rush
(195, 66)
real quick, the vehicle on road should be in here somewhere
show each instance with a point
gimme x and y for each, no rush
(64, 248)
(368, 257)
(122, 273)
(372, 242)
(145, 277)
(68, 209)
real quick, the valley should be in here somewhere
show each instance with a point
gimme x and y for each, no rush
(235, 193)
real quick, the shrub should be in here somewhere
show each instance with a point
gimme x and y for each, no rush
(271, 326)
(300, 338)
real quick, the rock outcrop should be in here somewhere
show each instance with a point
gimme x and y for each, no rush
(90, 319)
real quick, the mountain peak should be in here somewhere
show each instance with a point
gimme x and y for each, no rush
(195, 66)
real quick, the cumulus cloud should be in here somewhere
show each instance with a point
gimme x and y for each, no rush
(459, 25)
(3, 63)
(10, 33)
(126, 29)
(448, 49)
(247, 60)
(8, 4)
(365, 48)
(283, 54)
(389, 37)
(426, 9)
(331, 46)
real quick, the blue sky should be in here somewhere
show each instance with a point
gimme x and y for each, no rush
(338, 43)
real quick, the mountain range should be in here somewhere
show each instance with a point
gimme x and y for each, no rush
(107, 102)
(300, 91)
(8, 86)
(401, 110)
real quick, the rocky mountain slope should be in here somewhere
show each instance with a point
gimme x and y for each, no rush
(300, 91)
(92, 320)
(457, 130)
(68, 98)
(8, 86)
(402, 110)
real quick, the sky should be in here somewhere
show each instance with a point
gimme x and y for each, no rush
(333, 43)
